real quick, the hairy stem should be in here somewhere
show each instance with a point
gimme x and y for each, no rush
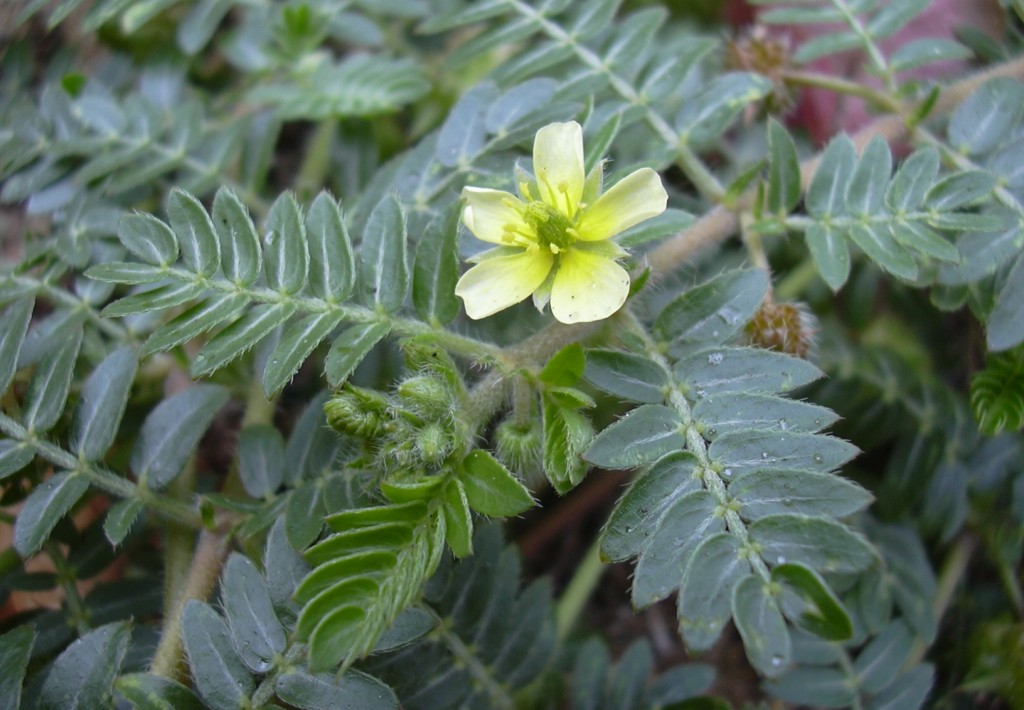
(211, 552)
(101, 477)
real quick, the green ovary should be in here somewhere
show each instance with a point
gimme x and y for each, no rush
(554, 230)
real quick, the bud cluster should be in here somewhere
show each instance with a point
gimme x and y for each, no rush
(416, 428)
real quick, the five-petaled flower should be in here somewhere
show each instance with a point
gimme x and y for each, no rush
(555, 237)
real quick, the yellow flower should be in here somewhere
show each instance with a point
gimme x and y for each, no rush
(555, 237)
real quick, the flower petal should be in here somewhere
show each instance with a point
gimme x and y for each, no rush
(503, 281)
(587, 287)
(558, 164)
(638, 196)
(488, 212)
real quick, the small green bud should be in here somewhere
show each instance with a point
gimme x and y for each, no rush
(434, 443)
(427, 395)
(358, 411)
(518, 446)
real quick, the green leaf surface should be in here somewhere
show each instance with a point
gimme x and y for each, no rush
(149, 239)
(146, 691)
(865, 194)
(172, 431)
(817, 687)
(298, 341)
(826, 194)
(349, 349)
(102, 403)
(722, 370)
(123, 272)
(160, 298)
(984, 120)
(284, 568)
(194, 230)
(830, 253)
(336, 634)
(758, 618)
(1004, 326)
(353, 691)
(411, 625)
(121, 518)
(920, 52)
(821, 544)
(670, 222)
(815, 607)
(960, 190)
(644, 435)
(260, 459)
(436, 269)
(765, 492)
(907, 692)
(43, 509)
(997, 393)
(332, 272)
(706, 115)
(726, 413)
(783, 170)
(458, 520)
(48, 388)
(13, 326)
(627, 375)
(714, 311)
(304, 515)
(241, 335)
(15, 651)
(639, 511)
(255, 629)
(195, 320)
(218, 673)
(917, 236)
(14, 456)
(913, 180)
(567, 433)
(285, 251)
(384, 269)
(491, 488)
(880, 661)
(881, 248)
(686, 521)
(240, 253)
(565, 368)
(83, 675)
(703, 606)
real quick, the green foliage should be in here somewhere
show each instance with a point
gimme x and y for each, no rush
(255, 455)
(997, 393)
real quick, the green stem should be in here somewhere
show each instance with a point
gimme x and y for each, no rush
(179, 541)
(574, 598)
(843, 86)
(797, 281)
(211, 552)
(480, 673)
(66, 577)
(101, 477)
(953, 570)
(874, 52)
(265, 691)
(695, 444)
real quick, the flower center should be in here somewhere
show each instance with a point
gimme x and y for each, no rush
(554, 230)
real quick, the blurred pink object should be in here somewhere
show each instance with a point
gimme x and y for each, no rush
(823, 113)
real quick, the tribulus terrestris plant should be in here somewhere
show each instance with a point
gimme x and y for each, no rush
(439, 354)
